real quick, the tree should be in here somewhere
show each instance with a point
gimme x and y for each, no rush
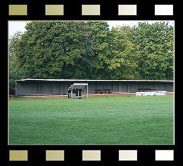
(123, 63)
(90, 50)
(155, 47)
(64, 49)
(14, 71)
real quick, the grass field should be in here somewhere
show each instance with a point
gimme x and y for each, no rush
(118, 120)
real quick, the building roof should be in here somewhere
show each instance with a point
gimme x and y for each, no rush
(85, 80)
(77, 86)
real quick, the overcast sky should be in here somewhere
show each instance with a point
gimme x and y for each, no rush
(15, 26)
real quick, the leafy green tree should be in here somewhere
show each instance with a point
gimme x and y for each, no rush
(64, 49)
(123, 63)
(155, 47)
(99, 47)
(14, 71)
(90, 50)
(49, 47)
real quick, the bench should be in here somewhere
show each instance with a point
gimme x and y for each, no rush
(103, 91)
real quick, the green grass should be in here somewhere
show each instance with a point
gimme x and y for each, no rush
(118, 120)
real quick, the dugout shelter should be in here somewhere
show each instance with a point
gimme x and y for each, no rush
(75, 90)
(28, 87)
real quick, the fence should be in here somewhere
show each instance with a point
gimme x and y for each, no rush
(38, 96)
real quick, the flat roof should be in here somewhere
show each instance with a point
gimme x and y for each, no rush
(77, 86)
(85, 80)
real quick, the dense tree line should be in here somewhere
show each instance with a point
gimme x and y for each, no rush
(90, 50)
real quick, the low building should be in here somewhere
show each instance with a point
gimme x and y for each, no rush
(25, 87)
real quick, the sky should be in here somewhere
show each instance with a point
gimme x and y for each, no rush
(15, 26)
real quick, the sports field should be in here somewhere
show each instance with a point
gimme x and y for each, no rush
(142, 120)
